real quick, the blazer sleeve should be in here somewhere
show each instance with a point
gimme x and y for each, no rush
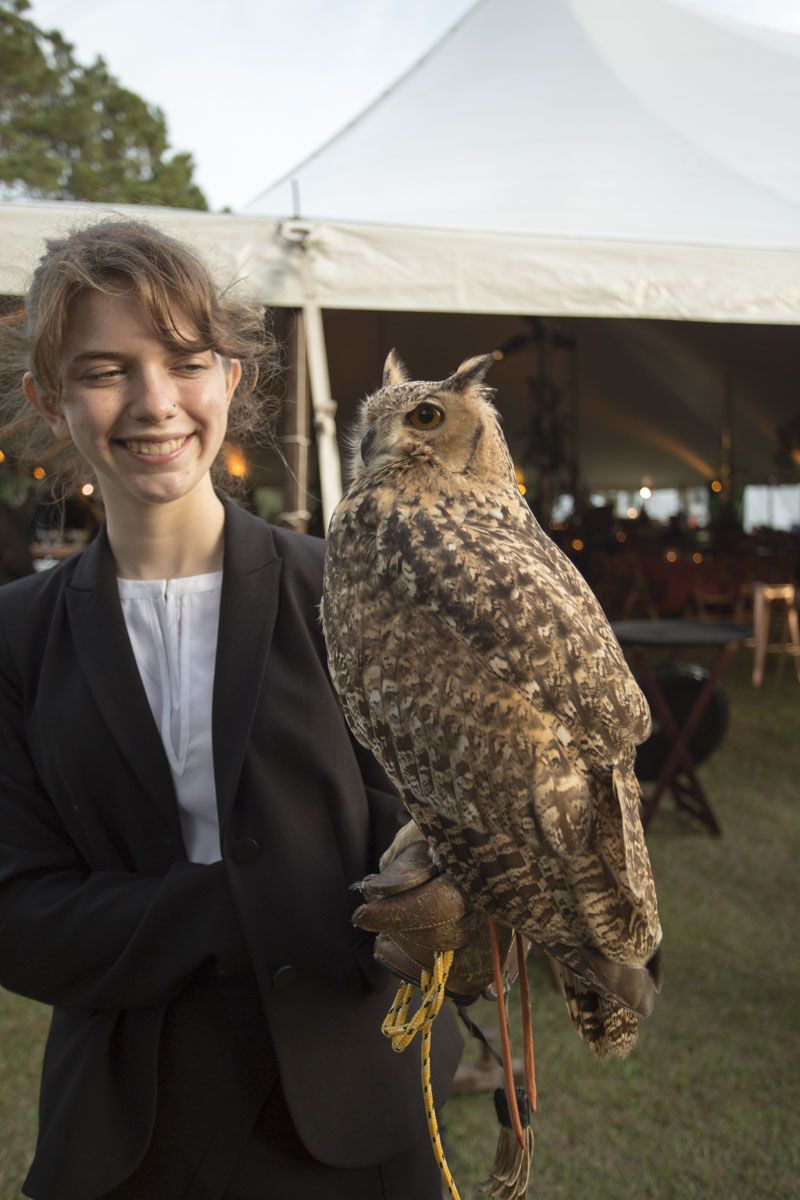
(78, 938)
(386, 809)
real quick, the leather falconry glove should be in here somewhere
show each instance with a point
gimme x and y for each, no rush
(415, 908)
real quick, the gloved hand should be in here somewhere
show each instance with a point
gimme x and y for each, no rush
(415, 908)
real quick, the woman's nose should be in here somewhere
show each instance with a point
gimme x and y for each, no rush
(151, 396)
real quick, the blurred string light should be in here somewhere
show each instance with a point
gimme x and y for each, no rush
(235, 463)
(38, 472)
(2, 456)
(621, 536)
(671, 556)
(716, 486)
(577, 544)
(645, 492)
(633, 513)
(697, 557)
(87, 489)
(519, 475)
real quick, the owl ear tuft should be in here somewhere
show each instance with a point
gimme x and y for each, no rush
(471, 373)
(394, 370)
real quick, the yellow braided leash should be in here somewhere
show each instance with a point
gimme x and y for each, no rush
(402, 1030)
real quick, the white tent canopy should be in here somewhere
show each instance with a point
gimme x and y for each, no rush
(608, 158)
(559, 158)
(400, 269)
(572, 157)
(250, 249)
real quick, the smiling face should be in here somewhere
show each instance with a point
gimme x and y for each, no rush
(147, 415)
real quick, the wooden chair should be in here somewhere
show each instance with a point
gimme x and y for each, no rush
(765, 595)
(715, 597)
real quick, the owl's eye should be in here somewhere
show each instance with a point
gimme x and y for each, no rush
(425, 416)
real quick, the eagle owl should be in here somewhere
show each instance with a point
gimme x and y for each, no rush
(473, 660)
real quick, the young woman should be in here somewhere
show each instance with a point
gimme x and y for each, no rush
(182, 809)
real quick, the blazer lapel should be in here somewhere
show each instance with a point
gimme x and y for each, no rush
(248, 609)
(108, 662)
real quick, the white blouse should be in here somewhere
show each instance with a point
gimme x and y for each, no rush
(173, 625)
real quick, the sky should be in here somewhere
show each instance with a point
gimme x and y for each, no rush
(251, 87)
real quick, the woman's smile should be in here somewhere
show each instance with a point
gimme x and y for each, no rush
(155, 450)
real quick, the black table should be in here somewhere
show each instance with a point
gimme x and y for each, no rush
(644, 636)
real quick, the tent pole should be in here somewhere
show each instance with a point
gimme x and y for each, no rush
(330, 470)
(295, 440)
(299, 234)
(574, 418)
(726, 446)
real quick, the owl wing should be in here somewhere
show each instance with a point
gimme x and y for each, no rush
(520, 608)
(473, 661)
(484, 775)
(522, 616)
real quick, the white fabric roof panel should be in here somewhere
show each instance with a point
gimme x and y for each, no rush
(425, 270)
(246, 248)
(394, 268)
(601, 119)
(564, 157)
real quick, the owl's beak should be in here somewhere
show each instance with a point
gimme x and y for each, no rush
(367, 443)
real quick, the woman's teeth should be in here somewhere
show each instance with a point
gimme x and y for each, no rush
(155, 448)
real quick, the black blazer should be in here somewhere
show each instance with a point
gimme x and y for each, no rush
(103, 917)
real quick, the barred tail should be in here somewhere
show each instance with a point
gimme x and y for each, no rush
(607, 1027)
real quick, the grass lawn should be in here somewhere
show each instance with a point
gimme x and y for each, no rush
(23, 1026)
(708, 1104)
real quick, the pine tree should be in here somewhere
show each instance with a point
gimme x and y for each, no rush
(73, 132)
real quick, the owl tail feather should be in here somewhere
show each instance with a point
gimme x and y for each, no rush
(512, 1163)
(607, 1027)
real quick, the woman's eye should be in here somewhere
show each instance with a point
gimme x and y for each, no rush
(425, 416)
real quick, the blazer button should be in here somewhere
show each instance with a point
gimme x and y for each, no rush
(245, 850)
(283, 978)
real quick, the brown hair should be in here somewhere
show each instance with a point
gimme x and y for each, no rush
(166, 276)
